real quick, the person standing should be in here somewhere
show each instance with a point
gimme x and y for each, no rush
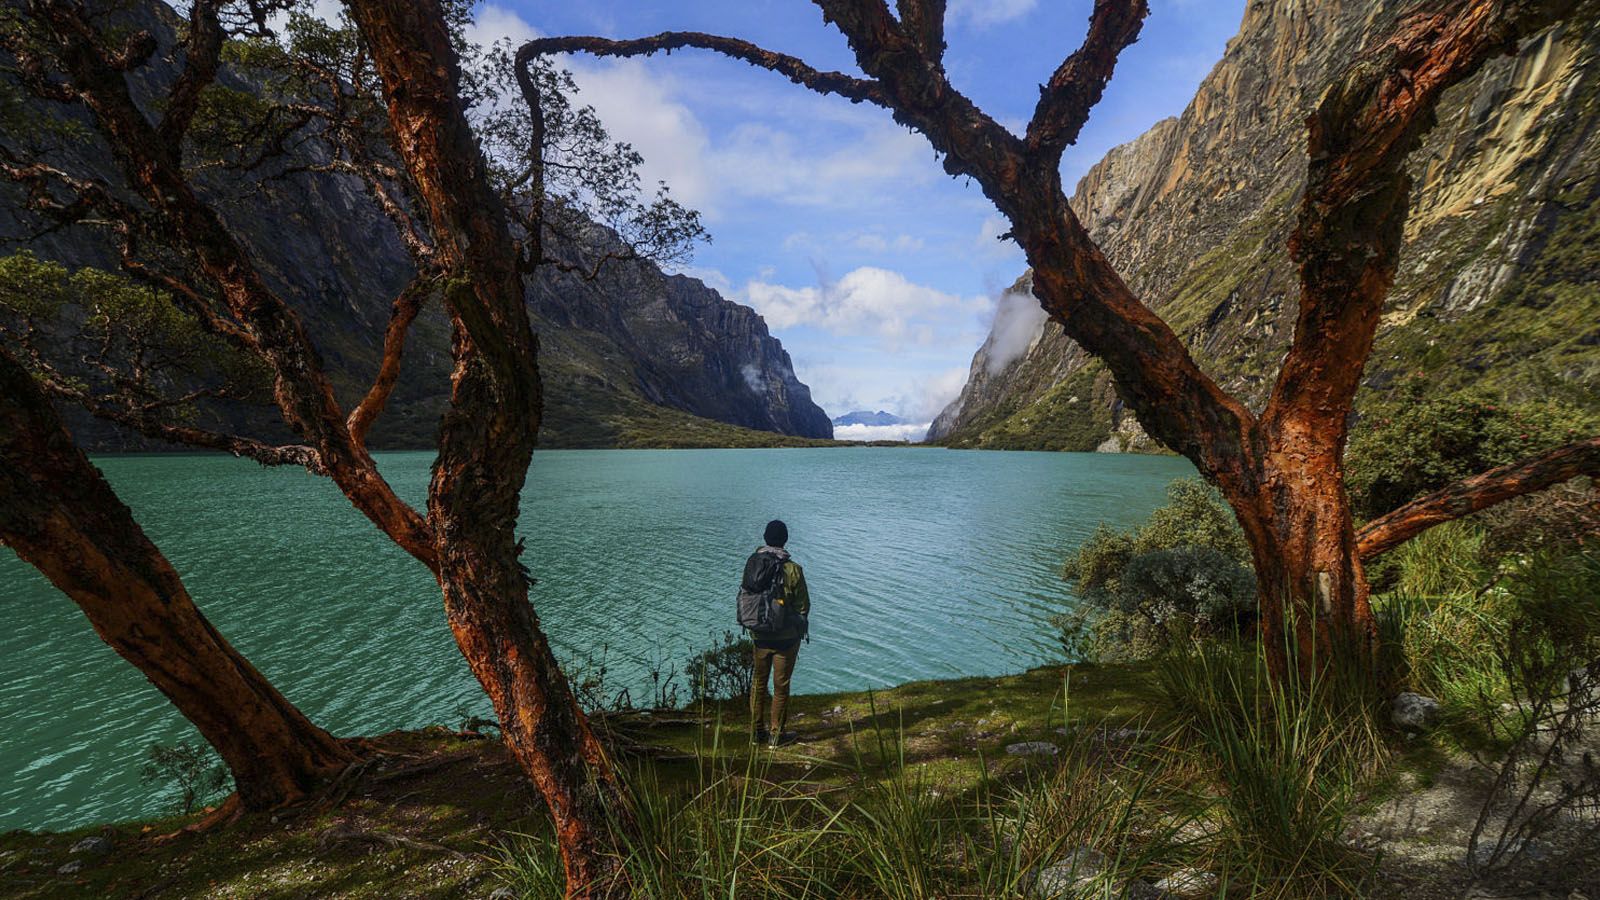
(777, 614)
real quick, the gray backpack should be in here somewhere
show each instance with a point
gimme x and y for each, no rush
(760, 591)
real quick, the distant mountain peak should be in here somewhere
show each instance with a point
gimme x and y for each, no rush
(862, 417)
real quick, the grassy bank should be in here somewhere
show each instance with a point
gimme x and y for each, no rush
(1066, 781)
(437, 814)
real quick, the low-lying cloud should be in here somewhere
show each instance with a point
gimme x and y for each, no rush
(907, 432)
(1018, 322)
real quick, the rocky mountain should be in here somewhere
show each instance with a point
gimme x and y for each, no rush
(633, 357)
(862, 417)
(1498, 276)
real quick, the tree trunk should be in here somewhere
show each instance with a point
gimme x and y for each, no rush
(486, 440)
(1311, 587)
(61, 516)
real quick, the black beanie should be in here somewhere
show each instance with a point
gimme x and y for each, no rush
(777, 533)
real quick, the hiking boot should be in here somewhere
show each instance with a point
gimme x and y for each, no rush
(761, 736)
(783, 740)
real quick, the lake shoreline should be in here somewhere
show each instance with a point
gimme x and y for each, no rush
(444, 812)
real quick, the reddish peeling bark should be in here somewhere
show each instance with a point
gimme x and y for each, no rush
(1282, 472)
(405, 310)
(1477, 493)
(487, 439)
(59, 514)
(1347, 244)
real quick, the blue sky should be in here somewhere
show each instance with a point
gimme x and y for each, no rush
(878, 272)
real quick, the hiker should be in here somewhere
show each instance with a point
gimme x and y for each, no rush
(775, 608)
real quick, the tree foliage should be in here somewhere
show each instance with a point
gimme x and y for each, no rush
(1413, 444)
(116, 346)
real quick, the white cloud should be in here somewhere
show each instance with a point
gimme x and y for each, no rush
(767, 163)
(493, 22)
(908, 432)
(637, 105)
(992, 241)
(938, 392)
(1018, 322)
(866, 300)
(873, 242)
(984, 13)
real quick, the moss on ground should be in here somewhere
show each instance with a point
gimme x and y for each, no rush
(429, 817)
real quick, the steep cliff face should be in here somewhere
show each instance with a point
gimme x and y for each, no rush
(636, 335)
(633, 350)
(1497, 281)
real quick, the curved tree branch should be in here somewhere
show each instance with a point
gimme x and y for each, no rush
(405, 310)
(1080, 80)
(924, 21)
(144, 421)
(856, 90)
(202, 51)
(1479, 492)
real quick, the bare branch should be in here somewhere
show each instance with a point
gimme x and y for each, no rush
(404, 311)
(1479, 492)
(150, 425)
(856, 90)
(1080, 80)
(923, 20)
(202, 52)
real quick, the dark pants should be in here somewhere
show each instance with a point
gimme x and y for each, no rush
(779, 663)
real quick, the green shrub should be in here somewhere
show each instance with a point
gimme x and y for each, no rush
(191, 771)
(1411, 445)
(1184, 571)
(722, 672)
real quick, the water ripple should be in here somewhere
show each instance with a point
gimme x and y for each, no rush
(921, 564)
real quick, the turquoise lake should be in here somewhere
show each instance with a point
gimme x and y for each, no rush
(922, 563)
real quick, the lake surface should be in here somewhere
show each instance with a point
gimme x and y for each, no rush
(922, 563)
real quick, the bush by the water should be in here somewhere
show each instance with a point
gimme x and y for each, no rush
(1183, 572)
(191, 772)
(723, 671)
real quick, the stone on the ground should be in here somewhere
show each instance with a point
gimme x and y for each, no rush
(502, 893)
(1069, 875)
(71, 868)
(1032, 748)
(94, 846)
(1529, 850)
(1414, 712)
(1189, 882)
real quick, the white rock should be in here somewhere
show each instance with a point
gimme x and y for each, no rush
(1032, 748)
(1189, 882)
(1069, 875)
(94, 846)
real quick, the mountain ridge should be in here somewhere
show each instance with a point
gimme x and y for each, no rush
(1496, 276)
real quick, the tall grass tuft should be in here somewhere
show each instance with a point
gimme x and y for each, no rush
(1289, 756)
(884, 827)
